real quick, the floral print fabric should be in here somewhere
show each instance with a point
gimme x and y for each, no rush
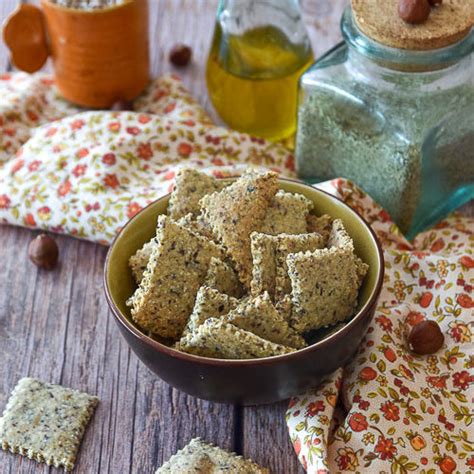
(86, 173)
(391, 410)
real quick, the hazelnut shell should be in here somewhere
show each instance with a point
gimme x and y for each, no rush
(180, 55)
(43, 252)
(426, 338)
(414, 11)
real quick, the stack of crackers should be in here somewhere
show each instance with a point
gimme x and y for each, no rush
(242, 269)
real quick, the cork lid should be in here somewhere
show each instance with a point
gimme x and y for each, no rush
(447, 23)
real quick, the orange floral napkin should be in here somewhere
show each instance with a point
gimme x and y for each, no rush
(87, 173)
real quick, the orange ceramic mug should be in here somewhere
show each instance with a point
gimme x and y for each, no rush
(99, 56)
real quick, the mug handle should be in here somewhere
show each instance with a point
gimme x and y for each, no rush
(24, 32)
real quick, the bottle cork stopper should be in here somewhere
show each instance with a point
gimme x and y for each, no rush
(447, 24)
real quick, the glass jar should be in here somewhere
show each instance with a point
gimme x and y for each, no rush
(397, 122)
(259, 51)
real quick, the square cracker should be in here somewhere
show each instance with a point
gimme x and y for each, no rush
(209, 304)
(286, 214)
(320, 224)
(190, 186)
(219, 339)
(223, 278)
(201, 457)
(286, 244)
(325, 287)
(269, 252)
(46, 422)
(238, 210)
(177, 268)
(258, 316)
(139, 260)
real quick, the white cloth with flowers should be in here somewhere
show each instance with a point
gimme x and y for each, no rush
(86, 173)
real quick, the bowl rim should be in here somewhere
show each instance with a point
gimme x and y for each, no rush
(169, 351)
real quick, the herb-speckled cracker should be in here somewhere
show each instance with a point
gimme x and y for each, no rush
(177, 268)
(219, 339)
(190, 186)
(258, 316)
(197, 225)
(269, 252)
(263, 263)
(286, 244)
(200, 457)
(339, 237)
(46, 422)
(325, 286)
(286, 214)
(139, 260)
(223, 277)
(209, 304)
(320, 224)
(238, 210)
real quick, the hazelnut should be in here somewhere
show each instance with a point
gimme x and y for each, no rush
(122, 105)
(435, 3)
(414, 11)
(180, 55)
(426, 338)
(43, 252)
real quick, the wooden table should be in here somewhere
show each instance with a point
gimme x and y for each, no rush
(56, 325)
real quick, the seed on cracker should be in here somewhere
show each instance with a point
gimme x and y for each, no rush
(190, 186)
(325, 286)
(177, 268)
(46, 422)
(338, 237)
(223, 278)
(200, 457)
(258, 316)
(218, 339)
(286, 244)
(210, 303)
(320, 224)
(286, 214)
(238, 210)
(139, 260)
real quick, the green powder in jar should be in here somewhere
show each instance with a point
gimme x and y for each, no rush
(377, 139)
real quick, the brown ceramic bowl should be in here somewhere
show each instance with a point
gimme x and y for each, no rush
(251, 381)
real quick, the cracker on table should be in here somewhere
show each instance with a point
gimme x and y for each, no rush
(286, 214)
(286, 244)
(46, 422)
(177, 268)
(201, 457)
(238, 210)
(223, 278)
(139, 260)
(258, 316)
(320, 224)
(338, 237)
(190, 186)
(263, 263)
(209, 303)
(219, 339)
(325, 287)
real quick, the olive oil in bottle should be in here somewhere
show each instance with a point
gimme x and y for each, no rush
(252, 80)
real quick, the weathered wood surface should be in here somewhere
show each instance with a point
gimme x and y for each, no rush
(56, 325)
